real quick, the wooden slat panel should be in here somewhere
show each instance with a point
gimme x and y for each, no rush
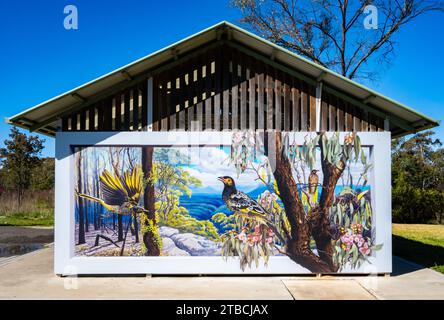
(91, 118)
(82, 120)
(100, 117)
(269, 94)
(156, 99)
(287, 105)
(243, 95)
(226, 90)
(304, 108)
(65, 124)
(364, 120)
(217, 101)
(371, 120)
(356, 119)
(172, 100)
(235, 94)
(181, 99)
(312, 109)
(208, 88)
(296, 105)
(143, 92)
(277, 102)
(341, 115)
(324, 114)
(74, 122)
(126, 115)
(107, 114)
(332, 119)
(136, 106)
(252, 123)
(199, 106)
(190, 94)
(380, 124)
(260, 98)
(164, 103)
(118, 106)
(348, 117)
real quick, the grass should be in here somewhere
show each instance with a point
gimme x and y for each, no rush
(420, 243)
(45, 218)
(36, 209)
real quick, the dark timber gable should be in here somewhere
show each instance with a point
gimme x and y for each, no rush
(218, 88)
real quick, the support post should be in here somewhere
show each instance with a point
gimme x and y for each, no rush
(149, 99)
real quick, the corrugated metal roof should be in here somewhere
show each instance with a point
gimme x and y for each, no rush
(43, 116)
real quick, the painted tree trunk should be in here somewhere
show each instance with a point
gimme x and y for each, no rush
(149, 229)
(80, 200)
(316, 224)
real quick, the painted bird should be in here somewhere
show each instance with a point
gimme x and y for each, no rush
(239, 202)
(313, 181)
(120, 195)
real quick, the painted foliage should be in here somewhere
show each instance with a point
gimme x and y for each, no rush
(264, 195)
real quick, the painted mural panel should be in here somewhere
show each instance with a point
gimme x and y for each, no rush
(264, 195)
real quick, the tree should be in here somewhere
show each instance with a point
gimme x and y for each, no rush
(43, 176)
(331, 32)
(330, 221)
(418, 179)
(80, 201)
(149, 228)
(20, 157)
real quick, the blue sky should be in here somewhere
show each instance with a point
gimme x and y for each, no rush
(40, 59)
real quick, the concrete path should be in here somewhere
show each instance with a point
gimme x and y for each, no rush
(30, 277)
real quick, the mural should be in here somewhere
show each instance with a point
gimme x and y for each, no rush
(264, 195)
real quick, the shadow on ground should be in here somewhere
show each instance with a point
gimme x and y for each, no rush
(418, 252)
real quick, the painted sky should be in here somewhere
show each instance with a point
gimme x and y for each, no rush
(40, 59)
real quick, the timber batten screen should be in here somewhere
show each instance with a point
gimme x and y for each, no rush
(222, 89)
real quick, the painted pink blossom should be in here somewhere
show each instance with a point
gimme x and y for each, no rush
(242, 236)
(256, 238)
(269, 240)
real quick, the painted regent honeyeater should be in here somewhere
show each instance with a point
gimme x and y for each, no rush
(239, 202)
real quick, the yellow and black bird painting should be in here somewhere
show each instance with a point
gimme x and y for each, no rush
(240, 203)
(120, 195)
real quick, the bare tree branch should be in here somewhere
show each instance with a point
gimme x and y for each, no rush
(331, 32)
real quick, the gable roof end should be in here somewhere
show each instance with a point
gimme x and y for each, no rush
(43, 118)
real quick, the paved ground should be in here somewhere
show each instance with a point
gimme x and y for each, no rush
(10, 234)
(30, 276)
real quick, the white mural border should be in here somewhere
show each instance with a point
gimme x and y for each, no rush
(66, 263)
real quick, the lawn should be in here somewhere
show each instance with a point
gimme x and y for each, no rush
(44, 218)
(420, 243)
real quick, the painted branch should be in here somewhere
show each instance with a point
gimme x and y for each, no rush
(298, 246)
(106, 238)
(319, 218)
